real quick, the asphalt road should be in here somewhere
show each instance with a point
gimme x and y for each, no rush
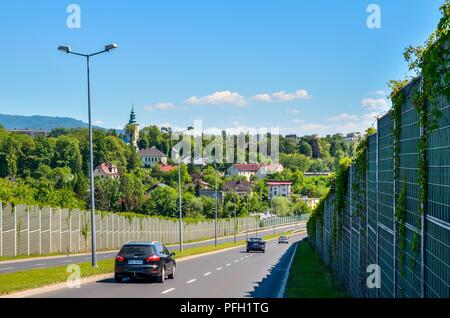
(20, 265)
(228, 274)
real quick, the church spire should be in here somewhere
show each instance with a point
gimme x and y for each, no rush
(132, 117)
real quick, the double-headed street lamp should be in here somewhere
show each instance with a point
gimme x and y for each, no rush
(169, 131)
(68, 50)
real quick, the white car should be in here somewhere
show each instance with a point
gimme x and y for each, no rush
(283, 239)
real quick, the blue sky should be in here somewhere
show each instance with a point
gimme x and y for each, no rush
(303, 66)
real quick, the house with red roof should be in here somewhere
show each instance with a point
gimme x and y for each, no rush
(167, 168)
(107, 170)
(279, 189)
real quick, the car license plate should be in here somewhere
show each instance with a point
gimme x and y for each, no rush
(135, 262)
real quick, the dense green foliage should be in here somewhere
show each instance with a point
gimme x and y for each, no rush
(54, 171)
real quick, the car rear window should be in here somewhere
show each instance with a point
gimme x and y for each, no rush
(256, 240)
(137, 250)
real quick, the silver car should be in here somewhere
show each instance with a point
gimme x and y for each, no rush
(283, 240)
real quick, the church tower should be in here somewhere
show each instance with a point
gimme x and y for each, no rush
(132, 130)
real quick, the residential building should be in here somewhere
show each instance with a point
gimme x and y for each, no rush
(246, 170)
(317, 174)
(167, 168)
(242, 188)
(268, 169)
(107, 170)
(279, 189)
(33, 133)
(152, 156)
(311, 202)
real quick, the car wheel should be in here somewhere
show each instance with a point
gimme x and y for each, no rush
(162, 278)
(248, 251)
(172, 276)
(263, 251)
(118, 279)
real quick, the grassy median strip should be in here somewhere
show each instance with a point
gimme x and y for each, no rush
(34, 278)
(309, 277)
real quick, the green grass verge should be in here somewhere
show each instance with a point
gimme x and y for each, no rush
(34, 278)
(309, 277)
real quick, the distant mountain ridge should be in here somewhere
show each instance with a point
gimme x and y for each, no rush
(46, 123)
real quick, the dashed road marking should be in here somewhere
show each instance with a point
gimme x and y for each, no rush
(207, 274)
(42, 264)
(236, 260)
(168, 291)
(191, 281)
(229, 264)
(219, 269)
(6, 268)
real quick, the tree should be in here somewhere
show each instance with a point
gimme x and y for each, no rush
(305, 149)
(282, 206)
(67, 154)
(163, 201)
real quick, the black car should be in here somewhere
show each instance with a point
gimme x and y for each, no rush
(256, 244)
(144, 260)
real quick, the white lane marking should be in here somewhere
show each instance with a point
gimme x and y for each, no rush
(168, 291)
(229, 264)
(6, 268)
(219, 269)
(242, 258)
(191, 281)
(43, 264)
(67, 261)
(87, 258)
(207, 274)
(236, 260)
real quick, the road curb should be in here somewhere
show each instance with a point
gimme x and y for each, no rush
(281, 293)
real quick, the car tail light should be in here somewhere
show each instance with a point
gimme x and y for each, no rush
(120, 258)
(153, 258)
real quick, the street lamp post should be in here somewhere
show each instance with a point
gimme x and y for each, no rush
(235, 208)
(68, 50)
(216, 205)
(180, 211)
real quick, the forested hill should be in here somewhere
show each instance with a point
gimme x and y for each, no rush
(46, 123)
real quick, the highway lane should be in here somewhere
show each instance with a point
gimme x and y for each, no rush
(20, 265)
(228, 274)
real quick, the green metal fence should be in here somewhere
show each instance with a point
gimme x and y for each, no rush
(370, 234)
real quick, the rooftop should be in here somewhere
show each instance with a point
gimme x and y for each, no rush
(151, 152)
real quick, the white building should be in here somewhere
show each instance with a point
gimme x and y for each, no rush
(152, 156)
(266, 170)
(279, 189)
(246, 170)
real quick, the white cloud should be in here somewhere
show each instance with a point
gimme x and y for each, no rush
(218, 98)
(375, 104)
(293, 111)
(344, 117)
(380, 92)
(98, 122)
(282, 97)
(298, 121)
(160, 106)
